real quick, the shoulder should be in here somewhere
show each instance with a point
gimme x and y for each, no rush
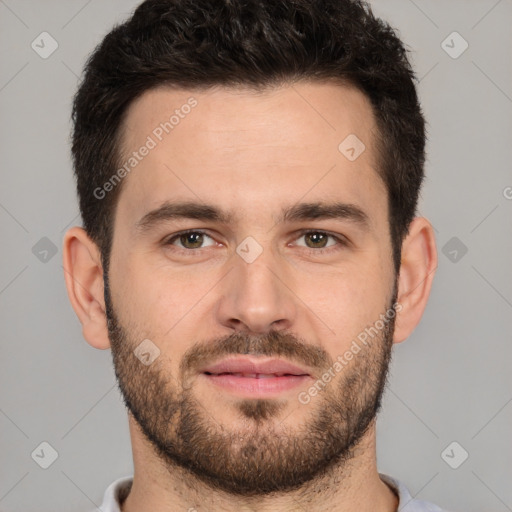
(406, 503)
(115, 494)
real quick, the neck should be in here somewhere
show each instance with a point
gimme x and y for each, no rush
(354, 484)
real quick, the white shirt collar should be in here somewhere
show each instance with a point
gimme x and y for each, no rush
(118, 490)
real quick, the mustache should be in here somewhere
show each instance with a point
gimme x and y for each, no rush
(273, 343)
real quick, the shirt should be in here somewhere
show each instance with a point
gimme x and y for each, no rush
(118, 491)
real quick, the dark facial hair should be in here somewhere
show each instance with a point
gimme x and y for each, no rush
(261, 460)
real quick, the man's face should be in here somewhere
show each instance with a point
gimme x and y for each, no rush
(259, 285)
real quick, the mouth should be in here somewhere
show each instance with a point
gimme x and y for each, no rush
(257, 375)
(253, 377)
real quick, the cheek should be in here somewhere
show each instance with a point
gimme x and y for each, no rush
(347, 301)
(139, 294)
(160, 299)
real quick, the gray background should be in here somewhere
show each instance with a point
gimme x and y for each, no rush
(450, 381)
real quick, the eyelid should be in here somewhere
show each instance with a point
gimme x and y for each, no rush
(341, 240)
(175, 236)
(337, 236)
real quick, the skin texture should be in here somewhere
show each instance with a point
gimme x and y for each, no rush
(251, 154)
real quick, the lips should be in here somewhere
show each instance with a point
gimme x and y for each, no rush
(254, 378)
(250, 368)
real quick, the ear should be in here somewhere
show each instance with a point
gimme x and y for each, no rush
(83, 273)
(417, 268)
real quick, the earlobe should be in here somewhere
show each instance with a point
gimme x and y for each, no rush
(83, 274)
(417, 269)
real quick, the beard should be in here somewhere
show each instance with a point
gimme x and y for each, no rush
(265, 456)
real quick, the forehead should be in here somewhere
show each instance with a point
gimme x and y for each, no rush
(247, 150)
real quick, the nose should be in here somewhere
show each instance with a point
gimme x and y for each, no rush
(257, 297)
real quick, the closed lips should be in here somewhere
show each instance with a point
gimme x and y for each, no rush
(256, 375)
(254, 368)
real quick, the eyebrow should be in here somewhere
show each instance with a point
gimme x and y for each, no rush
(295, 213)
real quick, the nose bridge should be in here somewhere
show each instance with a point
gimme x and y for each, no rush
(255, 297)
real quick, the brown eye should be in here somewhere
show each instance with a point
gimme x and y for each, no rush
(191, 240)
(320, 240)
(316, 240)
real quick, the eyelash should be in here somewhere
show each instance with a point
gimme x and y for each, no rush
(341, 241)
